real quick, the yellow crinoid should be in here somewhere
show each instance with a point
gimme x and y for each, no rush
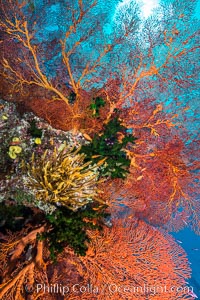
(63, 178)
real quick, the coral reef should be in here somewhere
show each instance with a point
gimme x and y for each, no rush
(83, 94)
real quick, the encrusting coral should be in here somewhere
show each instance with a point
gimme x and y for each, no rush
(63, 178)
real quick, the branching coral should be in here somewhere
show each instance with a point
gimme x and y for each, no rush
(132, 260)
(23, 266)
(63, 178)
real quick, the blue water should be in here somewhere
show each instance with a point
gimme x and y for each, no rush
(191, 244)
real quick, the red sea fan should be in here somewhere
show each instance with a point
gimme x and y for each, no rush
(130, 261)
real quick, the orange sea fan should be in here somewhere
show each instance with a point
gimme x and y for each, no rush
(130, 261)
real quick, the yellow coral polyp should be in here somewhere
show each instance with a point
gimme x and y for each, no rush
(38, 141)
(63, 177)
(15, 139)
(12, 155)
(15, 149)
(4, 117)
